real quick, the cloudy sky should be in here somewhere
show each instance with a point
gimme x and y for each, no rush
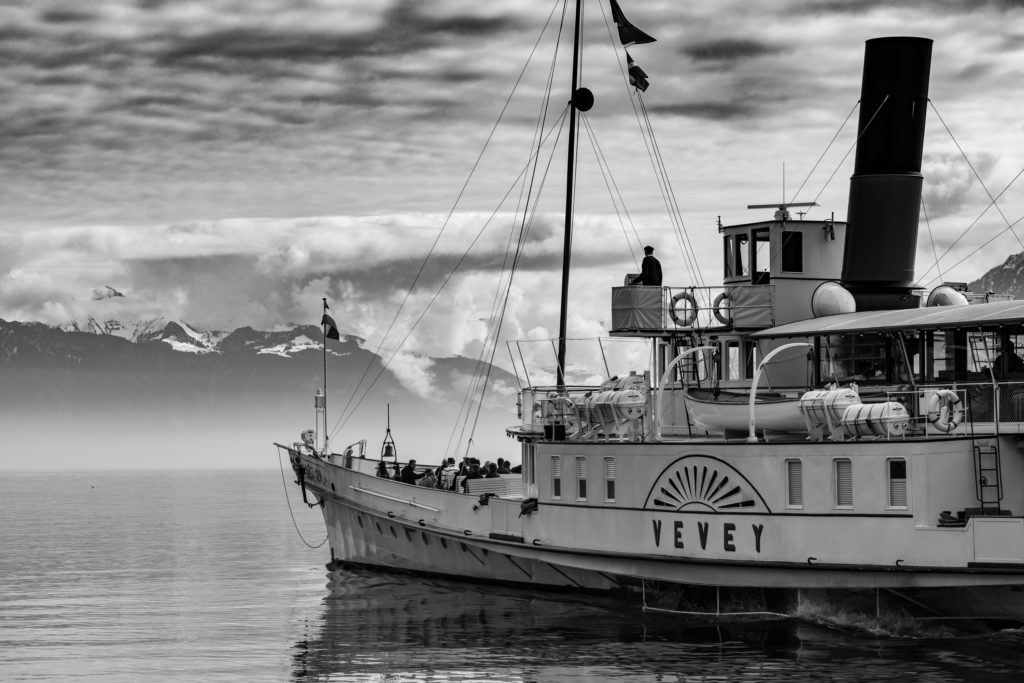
(229, 162)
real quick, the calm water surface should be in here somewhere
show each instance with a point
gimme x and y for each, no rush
(162, 576)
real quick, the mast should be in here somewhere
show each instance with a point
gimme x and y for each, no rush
(324, 325)
(576, 102)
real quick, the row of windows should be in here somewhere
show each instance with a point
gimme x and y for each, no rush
(581, 478)
(842, 470)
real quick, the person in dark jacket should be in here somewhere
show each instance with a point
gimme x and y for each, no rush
(409, 475)
(650, 270)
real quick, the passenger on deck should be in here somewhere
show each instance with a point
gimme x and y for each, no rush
(1014, 365)
(398, 472)
(492, 471)
(409, 475)
(503, 467)
(382, 470)
(474, 473)
(428, 480)
(446, 477)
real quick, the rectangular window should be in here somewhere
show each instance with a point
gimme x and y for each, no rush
(897, 483)
(609, 479)
(556, 476)
(792, 251)
(844, 483)
(794, 484)
(729, 259)
(528, 465)
(581, 478)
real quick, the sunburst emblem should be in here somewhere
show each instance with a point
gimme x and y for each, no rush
(704, 483)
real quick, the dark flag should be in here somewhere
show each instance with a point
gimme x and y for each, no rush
(628, 34)
(330, 329)
(637, 77)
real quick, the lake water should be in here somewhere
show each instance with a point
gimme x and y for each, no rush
(201, 576)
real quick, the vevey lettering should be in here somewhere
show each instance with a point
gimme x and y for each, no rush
(700, 533)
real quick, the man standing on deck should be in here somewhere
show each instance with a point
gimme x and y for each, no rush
(650, 270)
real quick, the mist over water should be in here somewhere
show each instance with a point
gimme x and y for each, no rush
(156, 576)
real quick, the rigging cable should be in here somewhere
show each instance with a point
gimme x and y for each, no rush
(444, 225)
(288, 500)
(661, 173)
(343, 420)
(974, 171)
(480, 377)
(820, 158)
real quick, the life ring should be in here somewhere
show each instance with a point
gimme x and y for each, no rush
(716, 308)
(944, 410)
(691, 309)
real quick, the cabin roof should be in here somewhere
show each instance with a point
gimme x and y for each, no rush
(973, 316)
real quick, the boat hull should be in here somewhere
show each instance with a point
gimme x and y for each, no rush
(388, 524)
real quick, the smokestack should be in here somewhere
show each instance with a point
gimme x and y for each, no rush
(885, 190)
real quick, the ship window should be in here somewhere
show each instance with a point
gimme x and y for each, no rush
(556, 476)
(739, 254)
(581, 478)
(844, 483)
(729, 267)
(528, 464)
(794, 484)
(897, 482)
(792, 251)
(609, 479)
(760, 260)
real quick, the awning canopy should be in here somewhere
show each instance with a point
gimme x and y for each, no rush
(969, 317)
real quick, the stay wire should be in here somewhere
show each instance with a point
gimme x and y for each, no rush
(971, 226)
(343, 420)
(493, 327)
(455, 205)
(974, 171)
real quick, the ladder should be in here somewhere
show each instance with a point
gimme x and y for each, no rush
(987, 475)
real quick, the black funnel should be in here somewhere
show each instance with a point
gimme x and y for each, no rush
(885, 190)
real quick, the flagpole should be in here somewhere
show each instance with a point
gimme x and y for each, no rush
(323, 324)
(567, 246)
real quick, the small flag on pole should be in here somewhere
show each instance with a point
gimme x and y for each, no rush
(637, 77)
(330, 327)
(628, 34)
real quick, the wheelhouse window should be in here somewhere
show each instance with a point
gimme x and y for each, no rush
(740, 256)
(792, 251)
(556, 476)
(844, 482)
(760, 257)
(529, 467)
(729, 265)
(609, 479)
(581, 478)
(897, 476)
(794, 484)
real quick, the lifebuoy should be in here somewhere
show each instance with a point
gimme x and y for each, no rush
(691, 312)
(716, 308)
(944, 410)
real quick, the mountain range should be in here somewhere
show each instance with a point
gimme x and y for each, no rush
(166, 394)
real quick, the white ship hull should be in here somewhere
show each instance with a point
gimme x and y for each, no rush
(932, 571)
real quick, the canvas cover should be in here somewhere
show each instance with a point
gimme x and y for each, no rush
(638, 308)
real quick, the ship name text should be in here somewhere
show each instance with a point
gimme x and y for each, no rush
(690, 535)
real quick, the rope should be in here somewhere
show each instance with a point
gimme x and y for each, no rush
(975, 172)
(433, 246)
(284, 482)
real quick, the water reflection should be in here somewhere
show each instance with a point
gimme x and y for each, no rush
(395, 627)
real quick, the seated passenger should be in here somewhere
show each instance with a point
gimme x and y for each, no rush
(474, 473)
(382, 470)
(427, 480)
(503, 466)
(492, 471)
(408, 475)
